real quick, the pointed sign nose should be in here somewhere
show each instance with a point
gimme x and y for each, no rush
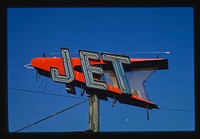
(44, 63)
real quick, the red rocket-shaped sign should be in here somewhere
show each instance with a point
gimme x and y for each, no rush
(107, 75)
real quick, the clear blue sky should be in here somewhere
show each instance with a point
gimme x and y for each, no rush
(34, 31)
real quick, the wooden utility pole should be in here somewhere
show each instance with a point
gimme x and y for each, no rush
(93, 113)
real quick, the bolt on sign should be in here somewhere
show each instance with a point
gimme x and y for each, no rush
(106, 75)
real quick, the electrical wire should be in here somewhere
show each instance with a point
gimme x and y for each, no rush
(38, 92)
(175, 109)
(52, 115)
(61, 111)
(52, 94)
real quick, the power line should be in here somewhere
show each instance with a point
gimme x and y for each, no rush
(173, 109)
(38, 92)
(162, 108)
(52, 94)
(52, 115)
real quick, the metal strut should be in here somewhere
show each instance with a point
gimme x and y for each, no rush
(114, 101)
(82, 90)
(148, 112)
(37, 75)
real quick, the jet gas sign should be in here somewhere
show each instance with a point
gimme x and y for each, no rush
(107, 75)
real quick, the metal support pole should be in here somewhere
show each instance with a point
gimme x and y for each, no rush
(93, 113)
